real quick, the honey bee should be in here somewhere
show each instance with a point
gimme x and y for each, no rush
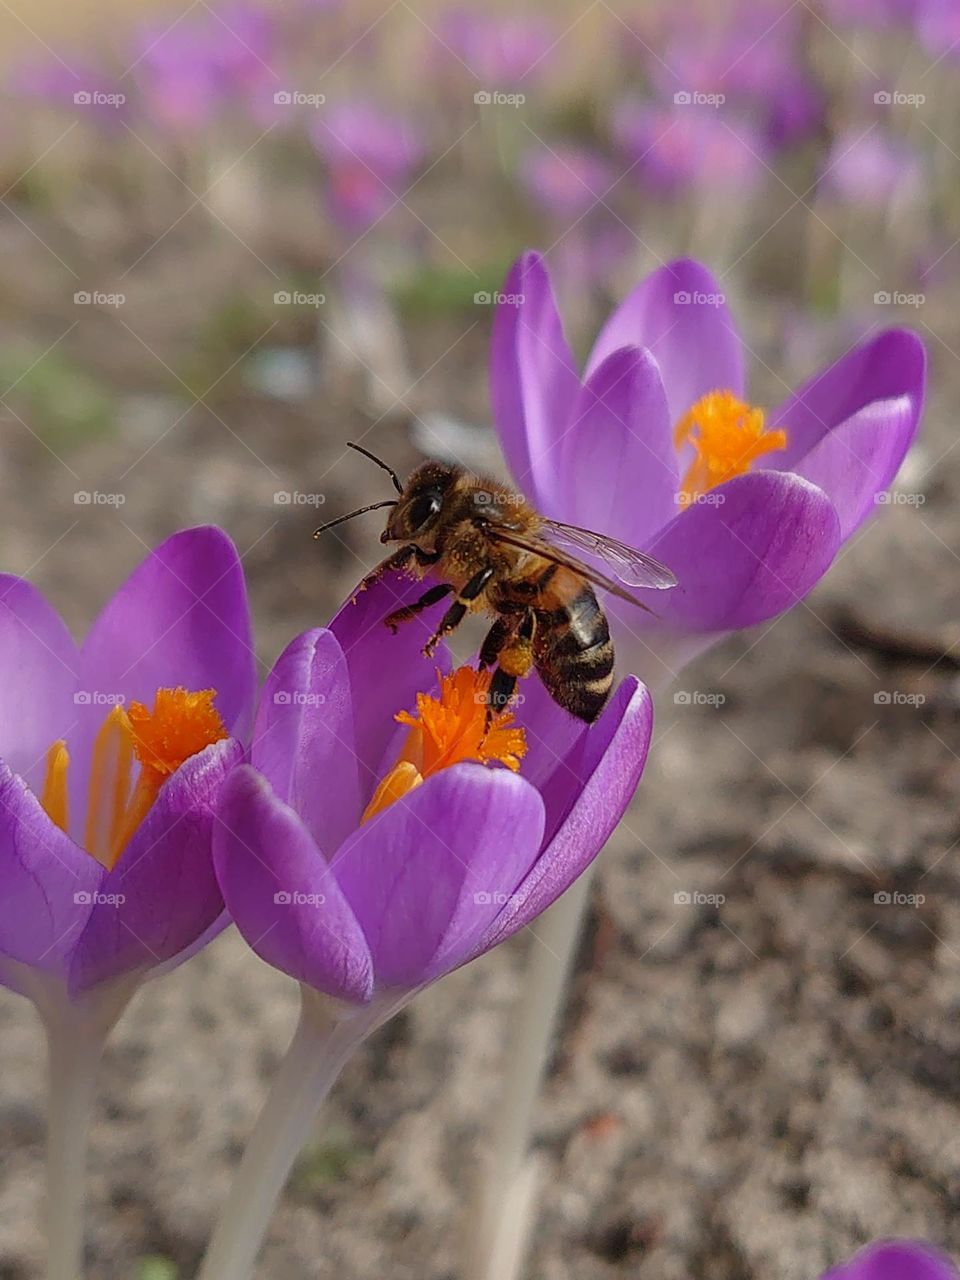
(495, 553)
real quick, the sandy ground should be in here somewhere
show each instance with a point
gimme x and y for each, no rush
(739, 1091)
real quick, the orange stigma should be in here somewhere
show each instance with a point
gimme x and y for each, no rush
(180, 725)
(728, 436)
(448, 730)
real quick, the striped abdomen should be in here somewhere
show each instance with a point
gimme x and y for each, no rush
(573, 652)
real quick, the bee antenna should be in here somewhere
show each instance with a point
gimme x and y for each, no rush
(374, 506)
(380, 463)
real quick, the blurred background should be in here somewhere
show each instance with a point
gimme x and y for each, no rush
(235, 235)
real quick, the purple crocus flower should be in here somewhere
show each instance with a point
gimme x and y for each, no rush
(501, 51)
(938, 27)
(410, 857)
(688, 145)
(371, 154)
(566, 180)
(112, 755)
(871, 168)
(189, 71)
(656, 444)
(896, 1260)
(752, 55)
(367, 860)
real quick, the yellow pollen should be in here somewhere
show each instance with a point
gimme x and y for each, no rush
(180, 725)
(728, 436)
(449, 730)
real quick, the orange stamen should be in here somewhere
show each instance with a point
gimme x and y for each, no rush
(449, 730)
(728, 436)
(54, 798)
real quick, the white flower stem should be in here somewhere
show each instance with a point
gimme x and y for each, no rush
(504, 1212)
(325, 1038)
(76, 1033)
(73, 1056)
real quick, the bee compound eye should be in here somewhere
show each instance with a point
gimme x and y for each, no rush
(423, 509)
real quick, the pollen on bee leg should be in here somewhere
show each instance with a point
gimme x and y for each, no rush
(455, 727)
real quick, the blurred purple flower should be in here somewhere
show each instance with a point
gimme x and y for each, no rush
(107, 871)
(871, 168)
(896, 1260)
(688, 146)
(357, 875)
(659, 420)
(371, 154)
(566, 180)
(752, 55)
(190, 71)
(501, 51)
(938, 27)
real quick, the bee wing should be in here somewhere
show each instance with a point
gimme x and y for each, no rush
(631, 566)
(538, 546)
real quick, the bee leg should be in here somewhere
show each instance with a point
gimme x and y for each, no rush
(393, 620)
(396, 561)
(457, 611)
(495, 639)
(515, 661)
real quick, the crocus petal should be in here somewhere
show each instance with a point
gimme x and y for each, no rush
(180, 619)
(48, 881)
(386, 670)
(282, 894)
(303, 741)
(754, 549)
(427, 875)
(162, 894)
(40, 663)
(857, 461)
(618, 459)
(896, 1260)
(889, 366)
(533, 380)
(679, 313)
(584, 801)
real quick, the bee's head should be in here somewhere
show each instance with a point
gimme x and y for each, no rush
(416, 516)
